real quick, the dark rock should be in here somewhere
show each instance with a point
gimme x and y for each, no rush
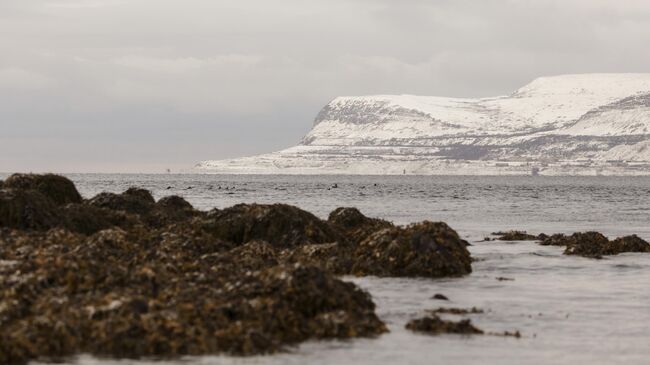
(174, 202)
(27, 210)
(557, 239)
(457, 311)
(631, 243)
(515, 334)
(439, 296)
(55, 187)
(254, 255)
(595, 245)
(424, 249)
(332, 257)
(587, 244)
(283, 226)
(355, 225)
(134, 200)
(515, 236)
(88, 219)
(434, 325)
(170, 209)
(129, 294)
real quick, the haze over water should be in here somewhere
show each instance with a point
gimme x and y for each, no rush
(569, 309)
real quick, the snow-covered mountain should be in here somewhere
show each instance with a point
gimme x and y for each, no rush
(570, 124)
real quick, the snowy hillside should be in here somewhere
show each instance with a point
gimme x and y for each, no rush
(572, 124)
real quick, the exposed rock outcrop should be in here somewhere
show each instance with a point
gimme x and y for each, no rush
(281, 225)
(432, 324)
(134, 200)
(425, 249)
(595, 244)
(355, 225)
(58, 189)
(515, 236)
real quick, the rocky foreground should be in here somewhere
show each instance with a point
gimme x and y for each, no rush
(125, 276)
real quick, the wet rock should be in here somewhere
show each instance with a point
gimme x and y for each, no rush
(27, 210)
(174, 202)
(631, 243)
(515, 334)
(515, 236)
(58, 189)
(557, 239)
(424, 249)
(595, 245)
(134, 200)
(129, 294)
(434, 325)
(171, 209)
(587, 244)
(439, 296)
(283, 226)
(457, 311)
(255, 255)
(332, 257)
(355, 225)
(88, 219)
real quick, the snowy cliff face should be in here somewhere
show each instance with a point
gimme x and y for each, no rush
(573, 124)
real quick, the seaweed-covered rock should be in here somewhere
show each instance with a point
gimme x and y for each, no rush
(631, 243)
(595, 245)
(456, 311)
(140, 293)
(134, 200)
(55, 187)
(515, 236)
(283, 226)
(173, 203)
(425, 249)
(354, 224)
(333, 257)
(27, 210)
(304, 302)
(587, 244)
(254, 255)
(89, 219)
(171, 209)
(557, 239)
(432, 324)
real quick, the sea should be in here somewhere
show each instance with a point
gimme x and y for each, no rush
(568, 309)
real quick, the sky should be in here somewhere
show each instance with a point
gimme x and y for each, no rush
(150, 85)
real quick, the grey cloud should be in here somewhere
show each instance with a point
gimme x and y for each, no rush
(101, 85)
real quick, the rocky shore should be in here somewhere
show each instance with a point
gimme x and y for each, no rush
(126, 276)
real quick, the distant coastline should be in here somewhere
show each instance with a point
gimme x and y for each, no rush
(591, 124)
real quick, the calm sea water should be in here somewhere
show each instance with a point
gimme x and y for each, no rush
(570, 310)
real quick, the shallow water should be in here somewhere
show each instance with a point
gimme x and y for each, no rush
(570, 310)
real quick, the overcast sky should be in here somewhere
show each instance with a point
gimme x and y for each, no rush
(145, 85)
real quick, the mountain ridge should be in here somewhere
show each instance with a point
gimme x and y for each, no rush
(568, 124)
